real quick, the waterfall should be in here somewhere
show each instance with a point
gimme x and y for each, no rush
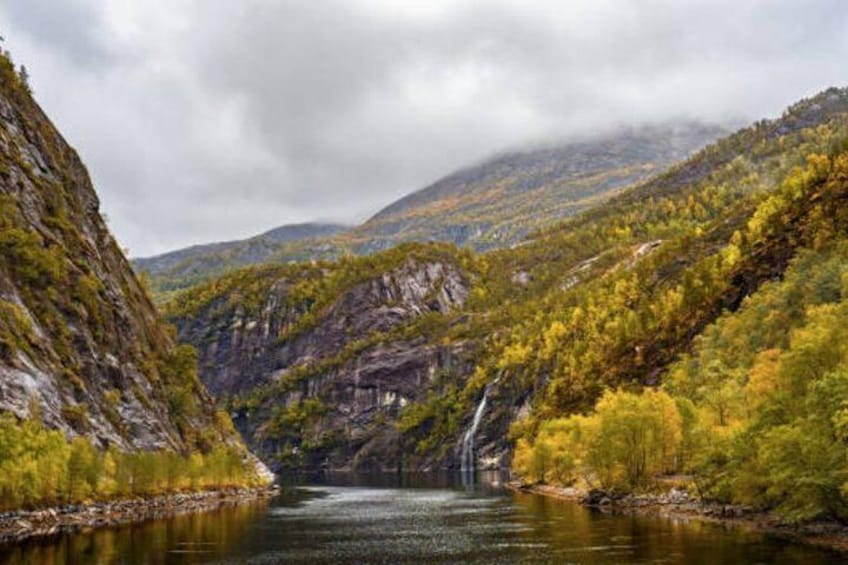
(467, 462)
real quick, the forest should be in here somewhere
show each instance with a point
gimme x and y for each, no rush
(755, 412)
(41, 467)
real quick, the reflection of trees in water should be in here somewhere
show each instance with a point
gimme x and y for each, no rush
(187, 538)
(632, 538)
(567, 523)
(414, 524)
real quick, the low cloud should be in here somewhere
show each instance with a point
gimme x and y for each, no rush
(205, 120)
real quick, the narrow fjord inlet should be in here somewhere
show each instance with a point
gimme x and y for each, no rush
(433, 518)
(423, 281)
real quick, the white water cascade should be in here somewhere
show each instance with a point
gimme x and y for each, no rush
(467, 462)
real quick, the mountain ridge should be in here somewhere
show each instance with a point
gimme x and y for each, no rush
(238, 252)
(514, 158)
(494, 203)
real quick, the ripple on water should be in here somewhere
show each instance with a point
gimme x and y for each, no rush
(346, 525)
(406, 524)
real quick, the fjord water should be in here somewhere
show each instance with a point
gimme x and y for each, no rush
(390, 519)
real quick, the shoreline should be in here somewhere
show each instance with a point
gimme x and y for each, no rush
(678, 505)
(24, 525)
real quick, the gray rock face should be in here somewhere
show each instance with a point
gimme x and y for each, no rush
(80, 343)
(240, 353)
(363, 395)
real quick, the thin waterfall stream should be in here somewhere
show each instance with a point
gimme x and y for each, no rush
(467, 462)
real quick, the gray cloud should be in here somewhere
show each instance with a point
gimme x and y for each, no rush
(73, 28)
(205, 120)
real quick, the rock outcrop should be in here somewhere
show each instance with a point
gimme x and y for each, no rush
(330, 393)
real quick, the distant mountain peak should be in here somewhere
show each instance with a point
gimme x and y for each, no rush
(216, 257)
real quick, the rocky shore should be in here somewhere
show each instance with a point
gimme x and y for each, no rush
(679, 504)
(20, 525)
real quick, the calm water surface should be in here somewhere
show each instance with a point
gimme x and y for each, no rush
(413, 520)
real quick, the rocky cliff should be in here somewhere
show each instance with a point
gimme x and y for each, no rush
(319, 362)
(81, 346)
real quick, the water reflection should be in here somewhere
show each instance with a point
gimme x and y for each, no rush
(191, 538)
(438, 518)
(590, 536)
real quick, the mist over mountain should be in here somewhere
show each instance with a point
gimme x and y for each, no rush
(496, 203)
(274, 113)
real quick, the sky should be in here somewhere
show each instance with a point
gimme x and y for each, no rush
(209, 120)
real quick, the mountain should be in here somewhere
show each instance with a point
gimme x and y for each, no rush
(83, 353)
(497, 203)
(207, 260)
(428, 356)
(493, 204)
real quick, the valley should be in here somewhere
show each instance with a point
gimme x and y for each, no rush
(383, 362)
(648, 317)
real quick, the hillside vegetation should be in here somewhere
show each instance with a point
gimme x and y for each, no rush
(614, 296)
(755, 411)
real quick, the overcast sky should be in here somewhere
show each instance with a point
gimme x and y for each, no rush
(204, 120)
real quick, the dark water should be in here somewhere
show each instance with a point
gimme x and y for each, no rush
(413, 520)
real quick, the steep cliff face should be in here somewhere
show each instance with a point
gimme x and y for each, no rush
(320, 385)
(81, 346)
